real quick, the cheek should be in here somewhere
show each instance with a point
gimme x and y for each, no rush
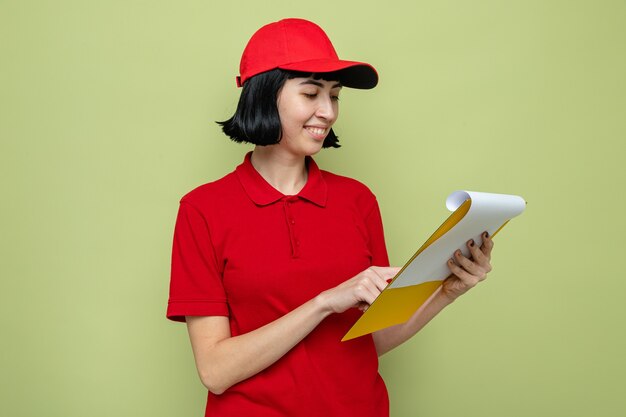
(286, 122)
(289, 126)
(292, 117)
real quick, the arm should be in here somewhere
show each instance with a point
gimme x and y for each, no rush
(222, 360)
(466, 274)
(198, 297)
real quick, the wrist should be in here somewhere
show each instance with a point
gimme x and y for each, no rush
(322, 306)
(445, 298)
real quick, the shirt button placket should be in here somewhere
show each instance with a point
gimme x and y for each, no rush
(291, 223)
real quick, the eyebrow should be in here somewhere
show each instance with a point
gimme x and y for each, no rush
(316, 83)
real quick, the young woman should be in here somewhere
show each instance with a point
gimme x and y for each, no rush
(273, 263)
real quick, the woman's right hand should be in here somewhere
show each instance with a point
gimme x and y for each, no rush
(224, 360)
(359, 291)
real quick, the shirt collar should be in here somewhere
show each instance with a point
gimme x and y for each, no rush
(262, 193)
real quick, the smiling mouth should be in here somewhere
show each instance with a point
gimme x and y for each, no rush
(316, 131)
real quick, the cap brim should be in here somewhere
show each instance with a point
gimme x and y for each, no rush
(351, 73)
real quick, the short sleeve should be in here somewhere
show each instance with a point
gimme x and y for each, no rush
(376, 241)
(196, 287)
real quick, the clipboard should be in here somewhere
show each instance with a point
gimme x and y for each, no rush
(472, 213)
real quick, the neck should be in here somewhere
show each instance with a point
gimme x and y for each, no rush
(286, 173)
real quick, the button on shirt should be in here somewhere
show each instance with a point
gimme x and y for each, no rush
(244, 250)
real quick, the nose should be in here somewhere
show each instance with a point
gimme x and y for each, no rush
(327, 109)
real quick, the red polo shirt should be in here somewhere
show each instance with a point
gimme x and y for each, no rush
(244, 250)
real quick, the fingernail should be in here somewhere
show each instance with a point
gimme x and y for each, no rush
(471, 243)
(486, 234)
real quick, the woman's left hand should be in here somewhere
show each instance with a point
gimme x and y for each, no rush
(467, 272)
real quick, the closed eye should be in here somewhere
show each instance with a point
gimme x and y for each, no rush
(312, 96)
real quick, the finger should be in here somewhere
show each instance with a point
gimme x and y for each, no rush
(487, 245)
(467, 278)
(468, 265)
(381, 285)
(386, 272)
(369, 297)
(477, 255)
(366, 291)
(483, 256)
(480, 258)
(384, 275)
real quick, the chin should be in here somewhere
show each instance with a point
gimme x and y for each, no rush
(313, 150)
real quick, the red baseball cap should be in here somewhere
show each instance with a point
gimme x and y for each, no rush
(300, 45)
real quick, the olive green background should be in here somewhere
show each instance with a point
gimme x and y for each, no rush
(107, 111)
